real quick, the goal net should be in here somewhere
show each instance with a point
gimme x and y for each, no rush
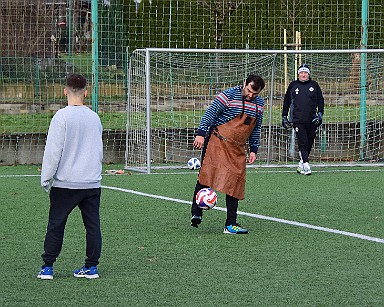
(170, 89)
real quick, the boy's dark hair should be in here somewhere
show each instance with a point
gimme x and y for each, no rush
(257, 82)
(76, 82)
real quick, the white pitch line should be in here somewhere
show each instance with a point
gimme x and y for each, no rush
(265, 170)
(10, 176)
(147, 195)
(258, 216)
(255, 170)
(325, 229)
(263, 217)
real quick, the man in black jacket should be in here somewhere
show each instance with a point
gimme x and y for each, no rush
(305, 103)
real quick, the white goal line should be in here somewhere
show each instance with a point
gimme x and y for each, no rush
(258, 216)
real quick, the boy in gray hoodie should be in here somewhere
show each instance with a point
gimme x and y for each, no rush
(72, 165)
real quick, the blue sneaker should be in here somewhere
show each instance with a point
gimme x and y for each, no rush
(87, 272)
(46, 273)
(235, 229)
(196, 220)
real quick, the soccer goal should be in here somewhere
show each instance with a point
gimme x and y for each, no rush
(170, 89)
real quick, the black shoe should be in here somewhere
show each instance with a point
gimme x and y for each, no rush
(196, 220)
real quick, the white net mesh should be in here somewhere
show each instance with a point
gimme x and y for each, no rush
(183, 84)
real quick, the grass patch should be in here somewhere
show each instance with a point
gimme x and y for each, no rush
(152, 257)
(39, 122)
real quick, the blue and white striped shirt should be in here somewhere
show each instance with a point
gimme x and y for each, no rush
(226, 106)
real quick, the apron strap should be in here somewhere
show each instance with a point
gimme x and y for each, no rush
(243, 110)
(243, 101)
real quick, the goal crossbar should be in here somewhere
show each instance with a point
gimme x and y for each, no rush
(258, 51)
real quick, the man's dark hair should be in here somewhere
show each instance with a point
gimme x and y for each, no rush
(257, 82)
(76, 82)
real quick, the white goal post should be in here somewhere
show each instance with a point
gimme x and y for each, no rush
(169, 90)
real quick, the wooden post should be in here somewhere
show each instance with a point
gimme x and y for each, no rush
(296, 48)
(299, 43)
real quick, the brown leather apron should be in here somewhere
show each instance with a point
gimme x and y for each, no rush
(224, 163)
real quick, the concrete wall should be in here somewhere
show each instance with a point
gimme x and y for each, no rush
(335, 142)
(29, 148)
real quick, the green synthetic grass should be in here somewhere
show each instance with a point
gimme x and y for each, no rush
(152, 257)
(82, 61)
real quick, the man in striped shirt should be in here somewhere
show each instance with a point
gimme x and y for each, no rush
(233, 119)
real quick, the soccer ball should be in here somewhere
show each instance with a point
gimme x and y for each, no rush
(194, 163)
(206, 198)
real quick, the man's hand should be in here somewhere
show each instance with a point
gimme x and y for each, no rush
(252, 157)
(198, 142)
(285, 122)
(46, 186)
(318, 120)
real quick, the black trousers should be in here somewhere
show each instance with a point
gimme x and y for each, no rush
(63, 201)
(305, 135)
(231, 202)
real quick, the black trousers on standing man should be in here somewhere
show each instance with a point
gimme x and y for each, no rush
(305, 135)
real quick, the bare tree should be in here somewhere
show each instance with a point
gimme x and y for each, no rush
(26, 27)
(38, 27)
(221, 11)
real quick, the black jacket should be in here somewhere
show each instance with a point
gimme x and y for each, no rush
(304, 100)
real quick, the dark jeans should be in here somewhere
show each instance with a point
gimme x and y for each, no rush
(63, 201)
(305, 135)
(232, 203)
